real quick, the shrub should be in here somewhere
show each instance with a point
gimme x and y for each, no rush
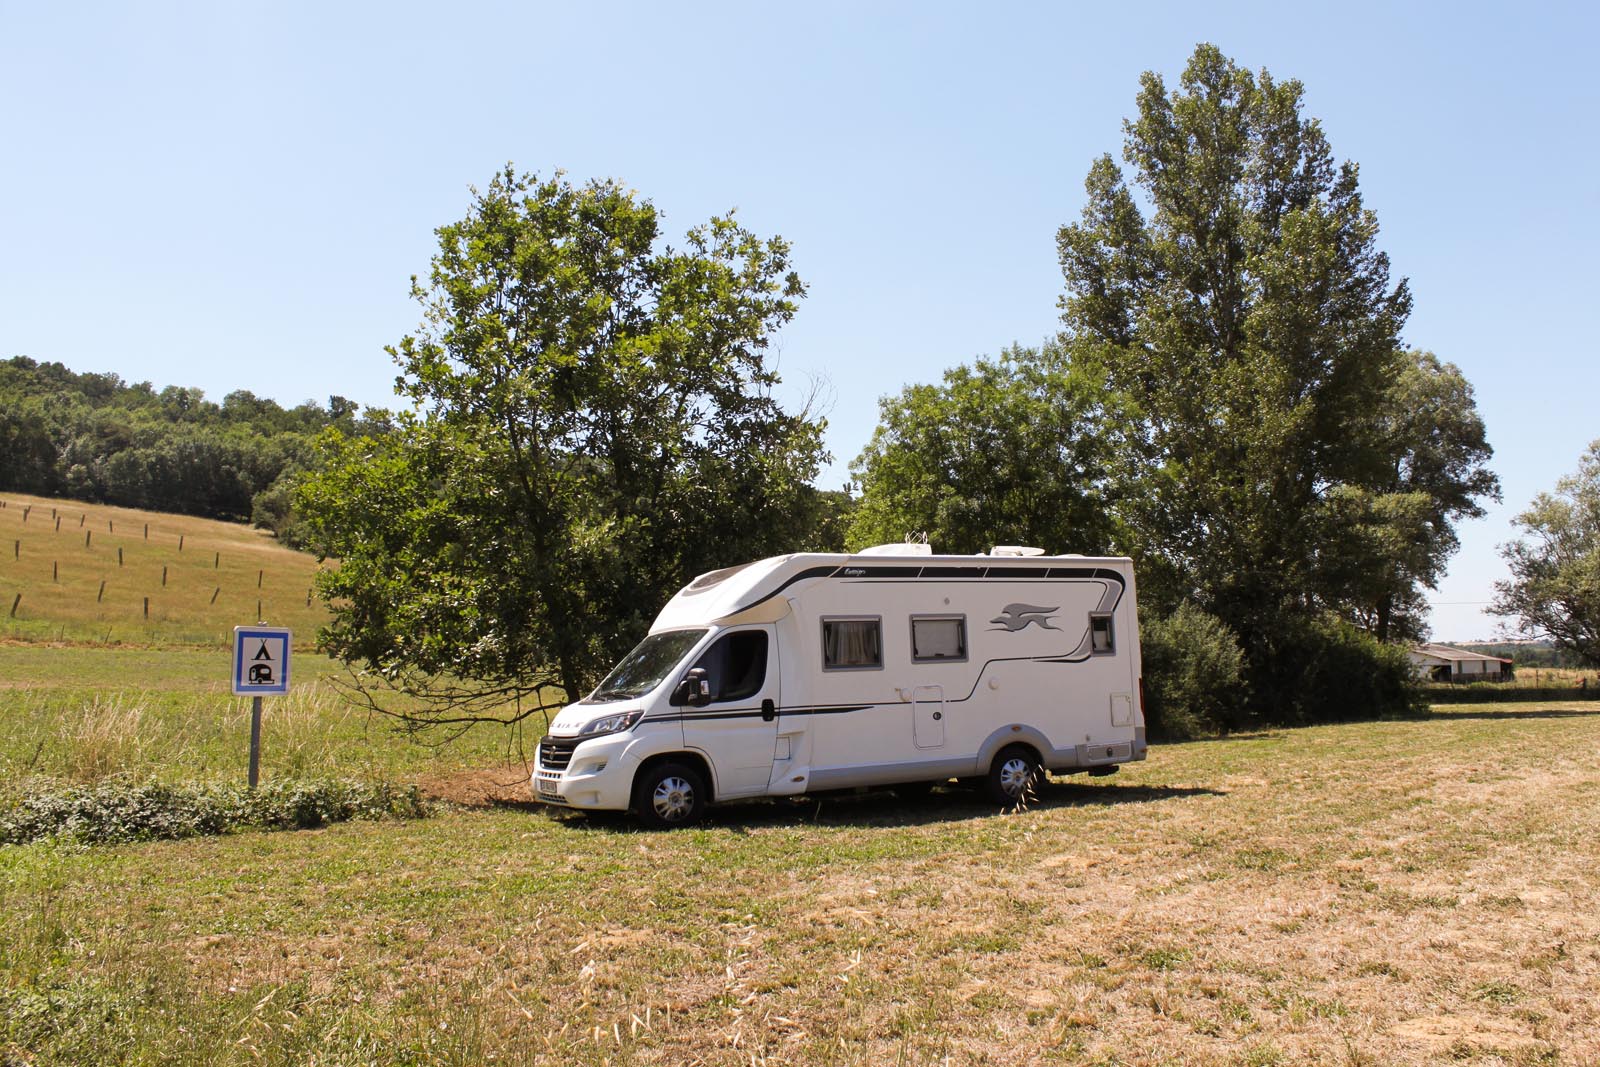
(1193, 675)
(273, 509)
(1318, 670)
(116, 811)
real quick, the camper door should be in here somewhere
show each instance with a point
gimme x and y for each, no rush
(738, 730)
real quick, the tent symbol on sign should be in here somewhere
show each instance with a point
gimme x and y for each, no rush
(261, 672)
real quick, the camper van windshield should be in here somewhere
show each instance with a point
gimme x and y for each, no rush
(643, 669)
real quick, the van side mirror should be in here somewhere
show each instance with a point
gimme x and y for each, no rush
(694, 690)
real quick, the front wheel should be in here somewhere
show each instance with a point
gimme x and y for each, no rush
(1014, 777)
(669, 795)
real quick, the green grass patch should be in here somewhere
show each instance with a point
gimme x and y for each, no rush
(79, 714)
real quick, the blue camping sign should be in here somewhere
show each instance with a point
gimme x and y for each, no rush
(260, 661)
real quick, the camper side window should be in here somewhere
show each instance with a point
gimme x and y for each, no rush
(852, 644)
(1100, 640)
(736, 666)
(937, 638)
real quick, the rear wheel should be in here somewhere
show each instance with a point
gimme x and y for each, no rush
(1014, 777)
(669, 795)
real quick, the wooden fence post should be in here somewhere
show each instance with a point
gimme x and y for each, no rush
(180, 542)
(14, 604)
(119, 555)
(55, 570)
(86, 535)
(258, 578)
(163, 575)
(214, 593)
(102, 594)
(147, 607)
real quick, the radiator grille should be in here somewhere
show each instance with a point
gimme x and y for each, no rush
(556, 752)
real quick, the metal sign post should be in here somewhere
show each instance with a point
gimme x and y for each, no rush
(260, 668)
(255, 741)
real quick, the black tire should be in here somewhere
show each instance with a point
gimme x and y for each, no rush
(1014, 777)
(670, 795)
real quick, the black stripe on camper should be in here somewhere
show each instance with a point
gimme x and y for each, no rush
(751, 713)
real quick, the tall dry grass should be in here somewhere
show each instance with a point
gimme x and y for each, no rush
(103, 737)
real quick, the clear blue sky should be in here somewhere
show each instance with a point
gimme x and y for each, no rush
(234, 195)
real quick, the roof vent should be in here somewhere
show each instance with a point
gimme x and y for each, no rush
(1015, 550)
(897, 550)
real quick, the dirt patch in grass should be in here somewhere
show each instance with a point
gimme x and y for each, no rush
(506, 786)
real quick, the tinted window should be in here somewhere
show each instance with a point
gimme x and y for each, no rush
(936, 639)
(736, 665)
(1100, 642)
(851, 643)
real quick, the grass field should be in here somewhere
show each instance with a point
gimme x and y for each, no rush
(1378, 893)
(84, 573)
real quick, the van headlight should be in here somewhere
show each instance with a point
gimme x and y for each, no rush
(611, 724)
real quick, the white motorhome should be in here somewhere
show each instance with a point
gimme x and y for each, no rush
(893, 666)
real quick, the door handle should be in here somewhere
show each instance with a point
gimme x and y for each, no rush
(769, 710)
(938, 715)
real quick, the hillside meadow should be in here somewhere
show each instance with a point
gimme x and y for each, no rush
(85, 572)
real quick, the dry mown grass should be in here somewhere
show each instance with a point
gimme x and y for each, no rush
(1421, 892)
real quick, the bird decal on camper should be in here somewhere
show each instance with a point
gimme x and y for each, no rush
(1014, 617)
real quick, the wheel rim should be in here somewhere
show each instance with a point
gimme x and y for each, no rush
(673, 798)
(1015, 774)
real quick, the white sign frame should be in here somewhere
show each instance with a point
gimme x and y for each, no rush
(243, 660)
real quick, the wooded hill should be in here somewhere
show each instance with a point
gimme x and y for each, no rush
(95, 438)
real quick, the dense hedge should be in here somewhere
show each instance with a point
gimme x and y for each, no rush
(115, 812)
(1198, 681)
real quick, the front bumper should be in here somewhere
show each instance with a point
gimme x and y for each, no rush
(593, 773)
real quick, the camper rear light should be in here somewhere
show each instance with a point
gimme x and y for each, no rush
(612, 724)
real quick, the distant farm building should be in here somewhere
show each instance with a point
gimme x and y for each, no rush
(1441, 663)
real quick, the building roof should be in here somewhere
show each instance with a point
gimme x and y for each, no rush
(1454, 655)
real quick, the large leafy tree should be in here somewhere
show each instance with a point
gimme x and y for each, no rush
(1396, 530)
(1554, 588)
(593, 423)
(1004, 451)
(1234, 298)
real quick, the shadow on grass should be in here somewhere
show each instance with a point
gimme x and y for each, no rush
(1539, 713)
(882, 807)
